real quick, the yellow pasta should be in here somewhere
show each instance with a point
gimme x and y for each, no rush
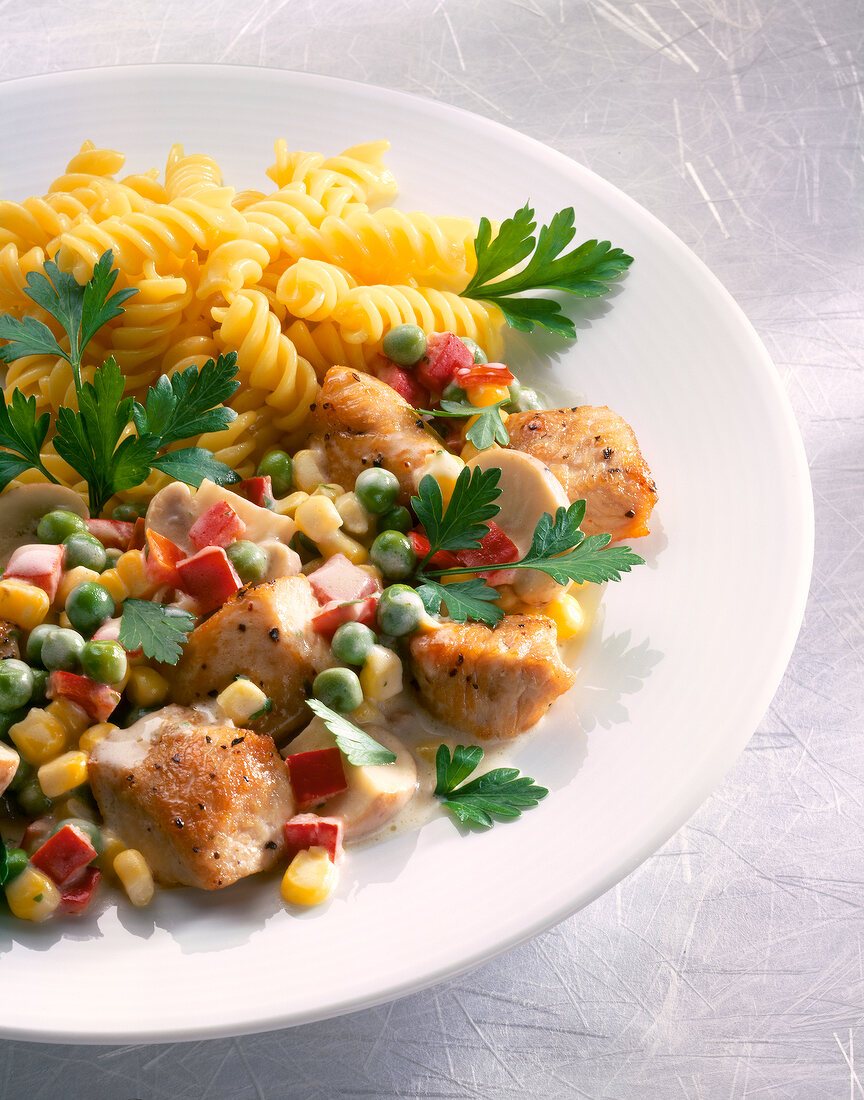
(312, 289)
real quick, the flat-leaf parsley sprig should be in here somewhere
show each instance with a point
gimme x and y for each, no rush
(488, 426)
(358, 747)
(497, 795)
(558, 547)
(584, 272)
(112, 441)
(158, 630)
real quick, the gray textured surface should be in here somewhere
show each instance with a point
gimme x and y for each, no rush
(730, 964)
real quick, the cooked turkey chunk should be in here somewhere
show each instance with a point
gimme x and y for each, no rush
(492, 683)
(204, 804)
(594, 454)
(264, 633)
(360, 421)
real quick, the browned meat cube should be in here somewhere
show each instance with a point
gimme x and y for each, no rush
(205, 805)
(594, 454)
(360, 421)
(492, 683)
(10, 637)
(264, 633)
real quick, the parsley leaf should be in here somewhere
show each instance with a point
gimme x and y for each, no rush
(488, 427)
(498, 794)
(80, 310)
(4, 864)
(358, 747)
(192, 464)
(189, 402)
(459, 526)
(469, 599)
(159, 631)
(23, 433)
(585, 271)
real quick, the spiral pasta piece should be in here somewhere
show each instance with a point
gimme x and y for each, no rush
(187, 174)
(312, 289)
(324, 346)
(359, 170)
(366, 313)
(266, 358)
(14, 269)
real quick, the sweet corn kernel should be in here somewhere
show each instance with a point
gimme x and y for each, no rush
(481, 397)
(308, 474)
(374, 572)
(381, 676)
(63, 773)
(329, 490)
(355, 519)
(287, 506)
(38, 737)
(567, 614)
(310, 877)
(91, 737)
(317, 517)
(240, 700)
(32, 895)
(132, 572)
(366, 712)
(71, 579)
(338, 543)
(65, 621)
(72, 718)
(445, 468)
(115, 584)
(134, 874)
(23, 604)
(146, 687)
(112, 846)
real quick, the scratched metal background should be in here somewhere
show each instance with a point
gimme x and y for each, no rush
(730, 964)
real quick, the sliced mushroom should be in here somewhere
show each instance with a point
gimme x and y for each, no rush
(21, 509)
(376, 792)
(528, 489)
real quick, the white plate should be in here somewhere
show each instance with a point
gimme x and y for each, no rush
(673, 682)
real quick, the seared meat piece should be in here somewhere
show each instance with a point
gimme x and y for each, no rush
(10, 636)
(205, 805)
(264, 633)
(594, 454)
(360, 421)
(492, 683)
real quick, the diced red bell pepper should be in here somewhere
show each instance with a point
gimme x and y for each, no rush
(495, 549)
(67, 851)
(405, 384)
(99, 700)
(209, 577)
(76, 896)
(445, 354)
(442, 560)
(258, 490)
(110, 632)
(484, 374)
(218, 526)
(340, 580)
(311, 831)
(37, 564)
(160, 561)
(316, 775)
(138, 539)
(353, 611)
(114, 533)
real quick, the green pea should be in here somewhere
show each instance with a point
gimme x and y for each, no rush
(475, 349)
(129, 512)
(405, 344)
(104, 661)
(86, 550)
(339, 689)
(393, 554)
(396, 519)
(351, 643)
(248, 559)
(377, 489)
(59, 525)
(23, 773)
(40, 686)
(522, 399)
(134, 713)
(32, 799)
(61, 650)
(112, 556)
(453, 392)
(89, 828)
(8, 718)
(279, 467)
(400, 610)
(88, 606)
(16, 684)
(33, 649)
(16, 860)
